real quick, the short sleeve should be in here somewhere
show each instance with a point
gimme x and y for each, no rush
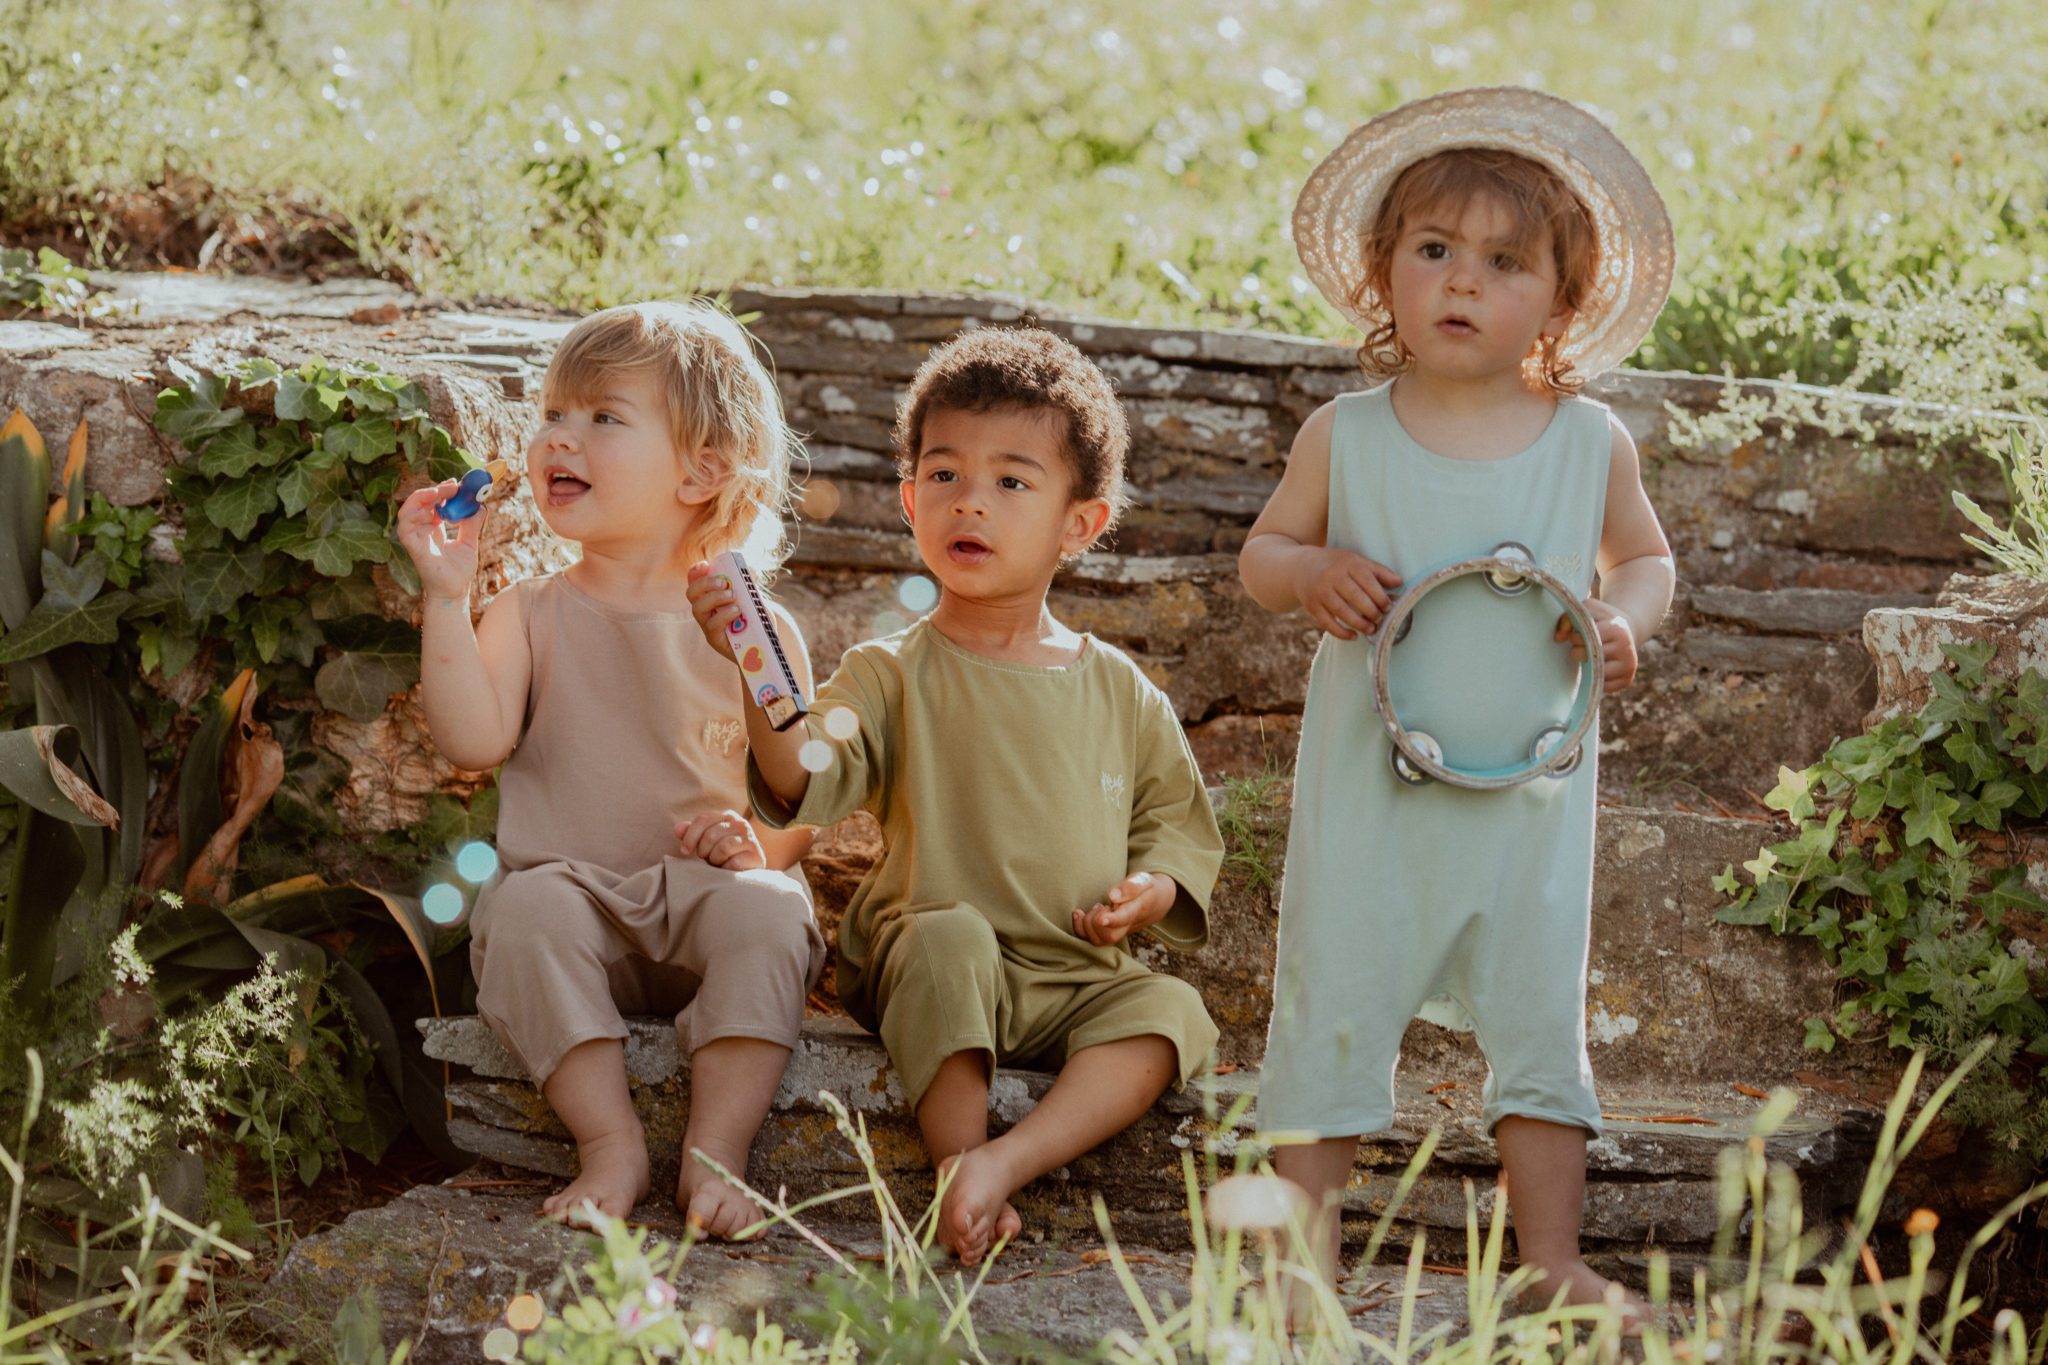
(1173, 826)
(859, 765)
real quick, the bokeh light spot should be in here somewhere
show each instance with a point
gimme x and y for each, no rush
(819, 500)
(842, 723)
(477, 861)
(524, 1313)
(918, 593)
(443, 903)
(501, 1343)
(816, 756)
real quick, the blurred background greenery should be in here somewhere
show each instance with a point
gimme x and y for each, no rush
(1819, 156)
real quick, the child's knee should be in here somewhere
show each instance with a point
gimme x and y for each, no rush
(956, 936)
(766, 919)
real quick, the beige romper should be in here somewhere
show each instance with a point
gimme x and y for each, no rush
(633, 725)
(1009, 796)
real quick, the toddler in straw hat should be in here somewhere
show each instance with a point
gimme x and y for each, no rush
(1496, 247)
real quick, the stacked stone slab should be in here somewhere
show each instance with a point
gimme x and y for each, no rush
(1785, 544)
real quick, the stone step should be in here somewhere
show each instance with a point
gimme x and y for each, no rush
(1651, 1175)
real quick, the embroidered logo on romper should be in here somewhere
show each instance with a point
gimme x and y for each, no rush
(723, 736)
(1113, 788)
(1565, 567)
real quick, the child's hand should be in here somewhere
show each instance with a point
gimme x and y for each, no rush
(713, 604)
(445, 566)
(1344, 593)
(1617, 644)
(1141, 899)
(724, 839)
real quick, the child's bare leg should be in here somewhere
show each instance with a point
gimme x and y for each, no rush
(953, 1116)
(587, 1090)
(1101, 1091)
(732, 1083)
(1322, 1169)
(1543, 1173)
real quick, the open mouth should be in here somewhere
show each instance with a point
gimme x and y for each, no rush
(1457, 326)
(564, 487)
(968, 550)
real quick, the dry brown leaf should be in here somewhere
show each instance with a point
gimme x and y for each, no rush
(76, 789)
(256, 761)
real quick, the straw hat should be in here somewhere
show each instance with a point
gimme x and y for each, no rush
(1342, 197)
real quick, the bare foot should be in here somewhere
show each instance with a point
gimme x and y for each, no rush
(976, 1211)
(1585, 1285)
(613, 1177)
(710, 1205)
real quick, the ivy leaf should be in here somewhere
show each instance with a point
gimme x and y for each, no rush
(306, 487)
(1727, 883)
(359, 683)
(50, 626)
(237, 505)
(348, 544)
(1970, 658)
(1819, 1037)
(217, 579)
(2007, 890)
(67, 586)
(1791, 795)
(303, 399)
(233, 453)
(193, 412)
(1928, 820)
(363, 440)
(1760, 866)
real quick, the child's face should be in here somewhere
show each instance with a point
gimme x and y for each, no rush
(992, 505)
(1465, 301)
(604, 466)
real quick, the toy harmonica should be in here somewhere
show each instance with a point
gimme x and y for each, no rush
(770, 680)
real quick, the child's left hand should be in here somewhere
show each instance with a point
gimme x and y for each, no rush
(724, 839)
(1617, 644)
(1141, 899)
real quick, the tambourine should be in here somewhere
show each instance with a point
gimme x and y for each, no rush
(1555, 750)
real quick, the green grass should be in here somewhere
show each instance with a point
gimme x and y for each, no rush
(1135, 162)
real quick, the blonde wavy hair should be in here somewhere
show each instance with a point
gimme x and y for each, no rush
(1538, 203)
(722, 402)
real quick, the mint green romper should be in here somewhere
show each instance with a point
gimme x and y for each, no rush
(1470, 908)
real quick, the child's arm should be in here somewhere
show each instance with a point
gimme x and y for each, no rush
(1637, 575)
(715, 607)
(729, 839)
(473, 679)
(1286, 564)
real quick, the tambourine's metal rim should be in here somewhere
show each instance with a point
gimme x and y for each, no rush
(1564, 755)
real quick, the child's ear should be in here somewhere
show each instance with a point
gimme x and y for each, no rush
(1085, 519)
(703, 479)
(907, 491)
(1559, 323)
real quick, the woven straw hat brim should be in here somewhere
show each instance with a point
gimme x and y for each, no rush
(1637, 254)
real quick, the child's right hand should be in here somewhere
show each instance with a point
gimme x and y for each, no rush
(445, 566)
(1344, 592)
(713, 603)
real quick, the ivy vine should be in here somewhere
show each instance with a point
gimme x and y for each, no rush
(1907, 869)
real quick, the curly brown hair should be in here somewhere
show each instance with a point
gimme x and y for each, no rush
(994, 369)
(1540, 204)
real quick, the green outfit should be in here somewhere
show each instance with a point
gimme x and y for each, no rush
(1009, 795)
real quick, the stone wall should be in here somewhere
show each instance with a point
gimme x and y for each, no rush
(1783, 544)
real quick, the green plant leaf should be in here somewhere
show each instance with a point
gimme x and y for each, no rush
(67, 585)
(306, 399)
(192, 412)
(238, 504)
(348, 544)
(360, 683)
(24, 493)
(232, 453)
(35, 766)
(50, 627)
(362, 440)
(215, 580)
(1819, 1037)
